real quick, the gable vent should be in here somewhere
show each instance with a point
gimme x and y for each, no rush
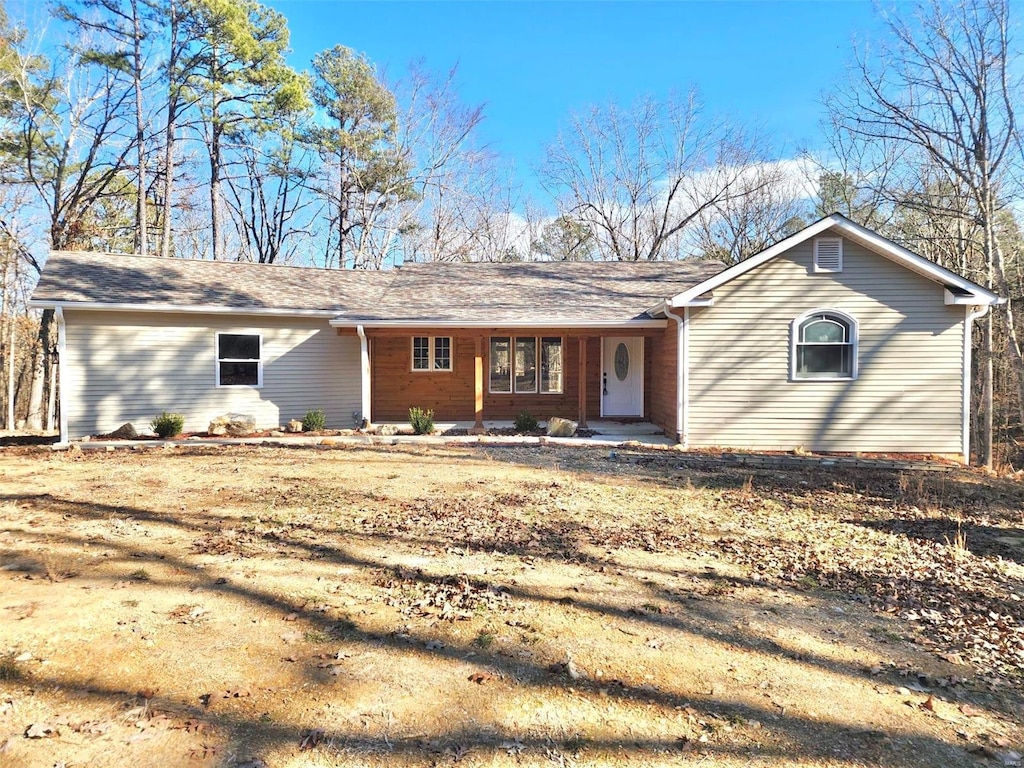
(828, 254)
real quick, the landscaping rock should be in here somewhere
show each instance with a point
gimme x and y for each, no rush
(233, 425)
(277, 433)
(295, 425)
(387, 430)
(125, 432)
(561, 427)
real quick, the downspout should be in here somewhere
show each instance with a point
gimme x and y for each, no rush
(364, 373)
(62, 371)
(682, 369)
(965, 427)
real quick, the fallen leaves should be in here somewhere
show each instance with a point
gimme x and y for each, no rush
(41, 731)
(958, 605)
(311, 738)
(449, 598)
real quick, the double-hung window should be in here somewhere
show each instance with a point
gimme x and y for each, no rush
(431, 353)
(239, 360)
(526, 364)
(824, 346)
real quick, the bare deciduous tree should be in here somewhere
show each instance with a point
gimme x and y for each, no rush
(940, 89)
(640, 177)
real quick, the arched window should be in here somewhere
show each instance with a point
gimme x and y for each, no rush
(824, 346)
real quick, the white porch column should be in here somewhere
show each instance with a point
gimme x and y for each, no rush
(364, 371)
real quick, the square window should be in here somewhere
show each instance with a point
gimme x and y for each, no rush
(431, 353)
(239, 362)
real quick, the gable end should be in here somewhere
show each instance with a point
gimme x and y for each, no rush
(828, 254)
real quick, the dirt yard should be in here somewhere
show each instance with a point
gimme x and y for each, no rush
(502, 607)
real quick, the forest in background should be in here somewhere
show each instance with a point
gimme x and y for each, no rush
(177, 128)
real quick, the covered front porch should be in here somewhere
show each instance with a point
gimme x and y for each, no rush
(479, 377)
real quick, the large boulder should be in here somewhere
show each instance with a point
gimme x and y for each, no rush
(561, 427)
(126, 431)
(232, 425)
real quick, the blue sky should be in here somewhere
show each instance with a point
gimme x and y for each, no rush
(533, 63)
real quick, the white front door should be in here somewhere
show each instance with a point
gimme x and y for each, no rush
(622, 376)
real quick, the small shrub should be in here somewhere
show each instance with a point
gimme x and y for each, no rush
(9, 671)
(168, 424)
(314, 421)
(525, 421)
(422, 421)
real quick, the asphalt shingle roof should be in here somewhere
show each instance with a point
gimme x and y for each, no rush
(106, 278)
(506, 293)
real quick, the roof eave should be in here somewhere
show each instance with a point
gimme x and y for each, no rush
(198, 309)
(341, 322)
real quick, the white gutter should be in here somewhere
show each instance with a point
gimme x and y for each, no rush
(682, 372)
(342, 323)
(205, 309)
(62, 373)
(965, 427)
(364, 370)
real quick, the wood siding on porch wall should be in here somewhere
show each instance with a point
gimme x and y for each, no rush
(396, 388)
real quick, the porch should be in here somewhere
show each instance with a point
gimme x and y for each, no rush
(474, 379)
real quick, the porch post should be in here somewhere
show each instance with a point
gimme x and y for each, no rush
(583, 383)
(478, 386)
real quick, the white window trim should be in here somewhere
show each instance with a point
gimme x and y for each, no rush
(217, 360)
(536, 366)
(431, 348)
(823, 270)
(540, 351)
(794, 335)
(512, 366)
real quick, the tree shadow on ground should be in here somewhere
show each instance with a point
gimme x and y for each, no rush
(794, 735)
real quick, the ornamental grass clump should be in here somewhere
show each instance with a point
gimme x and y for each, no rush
(422, 421)
(168, 424)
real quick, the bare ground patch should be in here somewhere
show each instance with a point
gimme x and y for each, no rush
(504, 606)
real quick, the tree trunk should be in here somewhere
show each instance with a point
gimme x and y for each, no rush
(173, 96)
(141, 235)
(987, 395)
(51, 396)
(215, 190)
(10, 375)
(215, 222)
(35, 400)
(342, 209)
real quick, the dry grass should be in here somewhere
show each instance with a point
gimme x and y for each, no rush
(530, 606)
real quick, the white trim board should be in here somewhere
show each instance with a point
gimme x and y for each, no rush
(858, 234)
(541, 324)
(199, 309)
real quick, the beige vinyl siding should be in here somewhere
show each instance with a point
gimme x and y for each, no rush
(122, 366)
(907, 398)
